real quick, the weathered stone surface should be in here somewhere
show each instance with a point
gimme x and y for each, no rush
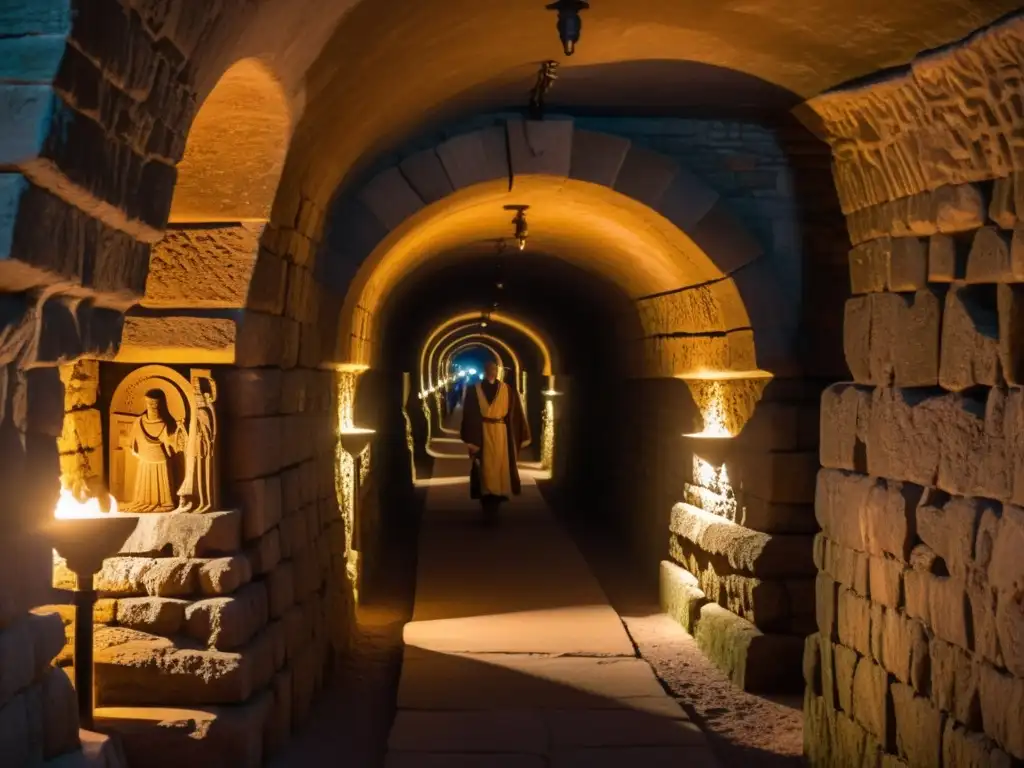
(753, 660)
(970, 338)
(224, 575)
(845, 412)
(390, 198)
(202, 267)
(955, 681)
(178, 339)
(226, 623)
(185, 535)
(157, 672)
(752, 552)
(1002, 701)
(989, 259)
(867, 514)
(853, 618)
(918, 728)
(157, 615)
(908, 264)
(872, 705)
(1010, 306)
(885, 581)
(265, 553)
(941, 603)
(81, 381)
(900, 645)
(1002, 209)
(944, 262)
(948, 526)
(923, 437)
(963, 749)
(893, 337)
(869, 267)
(218, 737)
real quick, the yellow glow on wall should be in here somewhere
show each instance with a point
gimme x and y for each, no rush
(345, 470)
(547, 436)
(726, 400)
(711, 489)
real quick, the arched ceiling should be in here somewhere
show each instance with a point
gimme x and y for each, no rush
(387, 68)
(594, 227)
(236, 149)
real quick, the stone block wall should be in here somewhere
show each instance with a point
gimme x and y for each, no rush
(740, 573)
(917, 658)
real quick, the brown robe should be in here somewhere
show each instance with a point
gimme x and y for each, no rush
(472, 432)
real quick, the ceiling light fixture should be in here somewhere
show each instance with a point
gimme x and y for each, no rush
(569, 22)
(522, 229)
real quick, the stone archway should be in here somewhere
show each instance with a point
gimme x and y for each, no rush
(722, 311)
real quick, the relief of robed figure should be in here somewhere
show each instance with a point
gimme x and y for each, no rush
(162, 459)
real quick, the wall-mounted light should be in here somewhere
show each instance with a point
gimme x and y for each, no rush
(522, 230)
(569, 22)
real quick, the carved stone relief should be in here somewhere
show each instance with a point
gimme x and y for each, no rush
(162, 441)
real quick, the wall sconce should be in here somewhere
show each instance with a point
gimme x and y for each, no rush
(522, 230)
(569, 22)
(85, 536)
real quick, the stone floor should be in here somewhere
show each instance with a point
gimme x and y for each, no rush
(515, 658)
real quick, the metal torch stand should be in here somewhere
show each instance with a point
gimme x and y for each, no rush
(85, 600)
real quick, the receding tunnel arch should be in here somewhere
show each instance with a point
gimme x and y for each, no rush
(427, 353)
(706, 297)
(454, 347)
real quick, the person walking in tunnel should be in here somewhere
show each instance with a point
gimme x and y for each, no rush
(494, 428)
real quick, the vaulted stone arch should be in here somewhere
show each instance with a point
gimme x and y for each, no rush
(493, 343)
(707, 297)
(473, 319)
(441, 352)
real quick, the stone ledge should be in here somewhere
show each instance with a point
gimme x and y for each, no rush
(755, 661)
(211, 737)
(150, 670)
(746, 551)
(680, 595)
(185, 534)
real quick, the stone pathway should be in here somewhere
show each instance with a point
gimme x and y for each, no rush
(515, 659)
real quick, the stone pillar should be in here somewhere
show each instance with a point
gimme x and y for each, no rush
(918, 658)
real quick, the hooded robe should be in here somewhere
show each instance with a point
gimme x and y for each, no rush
(493, 420)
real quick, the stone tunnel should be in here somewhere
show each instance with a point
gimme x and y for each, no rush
(745, 278)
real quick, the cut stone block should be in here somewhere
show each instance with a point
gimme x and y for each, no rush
(476, 157)
(224, 575)
(970, 338)
(540, 147)
(155, 671)
(900, 645)
(214, 737)
(755, 661)
(990, 260)
(955, 680)
(1002, 699)
(226, 623)
(157, 615)
(185, 535)
(943, 260)
(681, 595)
(918, 727)
(1010, 306)
(845, 416)
(597, 157)
(759, 554)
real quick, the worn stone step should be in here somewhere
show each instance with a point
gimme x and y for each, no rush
(211, 737)
(149, 670)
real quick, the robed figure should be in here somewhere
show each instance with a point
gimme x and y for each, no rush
(494, 428)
